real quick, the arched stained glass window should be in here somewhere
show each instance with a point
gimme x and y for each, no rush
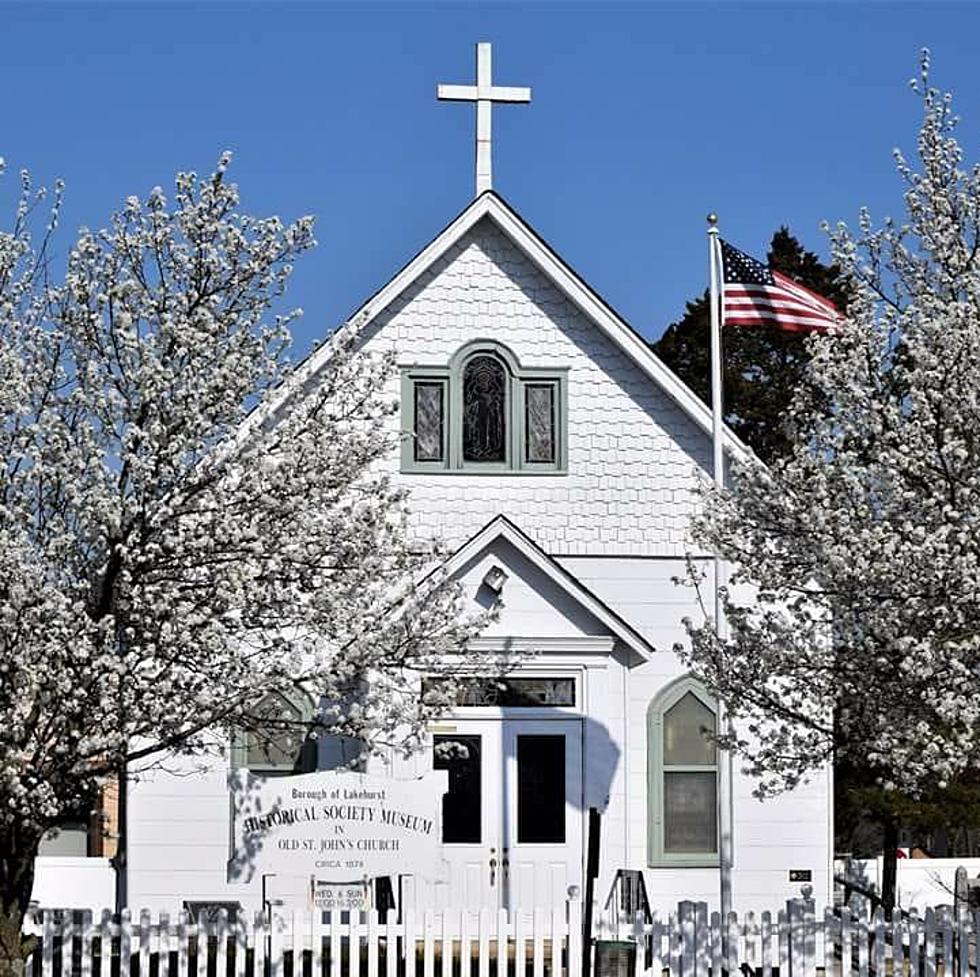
(485, 410)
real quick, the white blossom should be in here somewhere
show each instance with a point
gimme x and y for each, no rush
(860, 552)
(171, 549)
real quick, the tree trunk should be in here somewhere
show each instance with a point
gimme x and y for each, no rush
(18, 849)
(889, 873)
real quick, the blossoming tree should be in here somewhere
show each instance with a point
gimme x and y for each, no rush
(854, 610)
(184, 523)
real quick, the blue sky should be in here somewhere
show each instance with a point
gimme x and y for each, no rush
(644, 117)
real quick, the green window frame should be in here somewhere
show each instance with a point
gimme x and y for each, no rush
(276, 741)
(528, 389)
(672, 764)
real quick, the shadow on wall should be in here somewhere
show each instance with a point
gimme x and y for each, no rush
(602, 756)
(540, 762)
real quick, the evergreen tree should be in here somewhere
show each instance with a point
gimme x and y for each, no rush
(764, 366)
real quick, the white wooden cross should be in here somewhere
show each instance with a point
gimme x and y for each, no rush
(484, 94)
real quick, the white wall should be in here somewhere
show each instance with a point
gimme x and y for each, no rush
(618, 519)
(180, 837)
(74, 882)
(792, 831)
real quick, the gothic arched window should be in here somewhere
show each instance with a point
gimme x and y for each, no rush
(683, 776)
(483, 410)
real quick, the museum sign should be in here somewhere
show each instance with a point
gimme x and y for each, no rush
(335, 826)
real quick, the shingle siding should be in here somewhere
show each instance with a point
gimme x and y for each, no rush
(632, 452)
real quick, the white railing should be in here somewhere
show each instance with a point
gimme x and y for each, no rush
(797, 942)
(543, 943)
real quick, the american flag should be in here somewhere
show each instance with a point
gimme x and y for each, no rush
(755, 295)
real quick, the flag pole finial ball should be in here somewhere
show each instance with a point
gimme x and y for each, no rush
(712, 218)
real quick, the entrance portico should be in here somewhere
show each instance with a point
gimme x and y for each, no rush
(527, 754)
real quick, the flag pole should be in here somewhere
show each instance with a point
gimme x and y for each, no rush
(725, 841)
(716, 391)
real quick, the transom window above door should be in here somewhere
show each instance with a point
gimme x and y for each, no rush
(482, 412)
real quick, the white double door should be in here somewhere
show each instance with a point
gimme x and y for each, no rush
(512, 819)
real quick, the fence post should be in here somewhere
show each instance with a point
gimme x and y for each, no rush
(946, 928)
(221, 945)
(274, 944)
(685, 917)
(640, 939)
(125, 942)
(520, 948)
(539, 927)
(898, 949)
(87, 927)
(558, 939)
(353, 946)
(929, 968)
(260, 936)
(702, 941)
(429, 944)
(47, 944)
(825, 937)
(145, 934)
(809, 920)
(783, 935)
(574, 917)
(731, 943)
(962, 923)
(203, 946)
(673, 945)
(716, 954)
(765, 941)
(373, 938)
(241, 946)
(878, 923)
(465, 944)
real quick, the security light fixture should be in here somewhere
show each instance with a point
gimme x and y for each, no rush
(495, 578)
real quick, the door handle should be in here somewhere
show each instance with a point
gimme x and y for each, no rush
(493, 866)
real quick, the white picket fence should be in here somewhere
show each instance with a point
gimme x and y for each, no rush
(691, 942)
(542, 943)
(799, 942)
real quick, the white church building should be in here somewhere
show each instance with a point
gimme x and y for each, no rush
(555, 455)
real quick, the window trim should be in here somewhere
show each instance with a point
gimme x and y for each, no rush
(661, 703)
(451, 376)
(308, 751)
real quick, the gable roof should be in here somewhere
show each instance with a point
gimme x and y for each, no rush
(500, 527)
(492, 206)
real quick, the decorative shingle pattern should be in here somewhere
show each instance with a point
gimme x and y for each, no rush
(632, 453)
